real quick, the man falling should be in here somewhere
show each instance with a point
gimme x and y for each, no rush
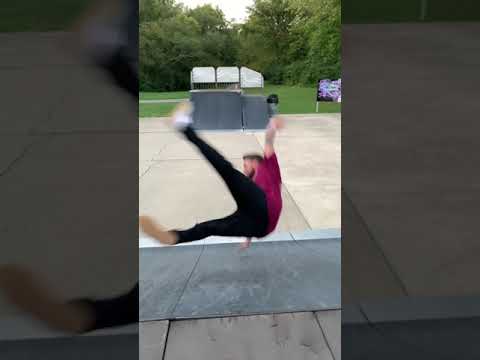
(256, 191)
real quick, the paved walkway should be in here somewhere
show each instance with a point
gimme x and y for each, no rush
(179, 188)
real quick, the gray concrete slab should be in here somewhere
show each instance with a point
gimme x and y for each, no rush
(320, 204)
(143, 167)
(164, 273)
(323, 126)
(230, 144)
(13, 148)
(80, 347)
(35, 49)
(291, 218)
(181, 193)
(19, 84)
(28, 61)
(431, 339)
(331, 324)
(152, 339)
(331, 249)
(398, 178)
(360, 251)
(152, 144)
(317, 234)
(263, 337)
(24, 327)
(422, 308)
(352, 314)
(155, 124)
(106, 109)
(269, 277)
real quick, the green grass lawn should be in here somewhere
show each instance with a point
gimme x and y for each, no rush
(293, 100)
(35, 15)
(164, 95)
(296, 100)
(155, 110)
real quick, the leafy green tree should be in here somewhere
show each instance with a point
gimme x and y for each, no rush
(289, 41)
(266, 37)
(209, 19)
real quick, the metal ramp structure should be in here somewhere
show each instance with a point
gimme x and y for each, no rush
(228, 110)
(220, 103)
(217, 109)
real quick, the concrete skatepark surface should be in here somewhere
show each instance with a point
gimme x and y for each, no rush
(303, 335)
(308, 150)
(220, 280)
(214, 281)
(409, 209)
(409, 217)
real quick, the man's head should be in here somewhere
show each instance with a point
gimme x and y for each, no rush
(251, 163)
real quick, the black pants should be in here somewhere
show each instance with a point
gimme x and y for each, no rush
(251, 217)
(116, 311)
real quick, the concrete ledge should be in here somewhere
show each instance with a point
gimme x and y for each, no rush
(121, 346)
(422, 308)
(317, 234)
(220, 280)
(352, 314)
(21, 327)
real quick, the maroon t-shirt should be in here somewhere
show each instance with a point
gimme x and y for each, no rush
(268, 178)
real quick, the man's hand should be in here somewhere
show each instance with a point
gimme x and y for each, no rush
(276, 123)
(246, 244)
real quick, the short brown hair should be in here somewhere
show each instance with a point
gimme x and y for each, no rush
(253, 156)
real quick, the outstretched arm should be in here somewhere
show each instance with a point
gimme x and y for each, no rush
(276, 123)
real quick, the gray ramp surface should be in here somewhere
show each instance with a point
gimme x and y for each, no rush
(116, 347)
(255, 112)
(217, 110)
(273, 277)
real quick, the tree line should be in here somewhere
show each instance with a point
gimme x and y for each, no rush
(292, 42)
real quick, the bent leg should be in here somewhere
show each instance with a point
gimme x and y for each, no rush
(245, 192)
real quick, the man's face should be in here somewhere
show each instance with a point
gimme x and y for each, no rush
(249, 167)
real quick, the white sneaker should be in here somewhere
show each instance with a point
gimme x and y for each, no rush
(182, 115)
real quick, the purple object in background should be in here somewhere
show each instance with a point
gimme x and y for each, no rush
(329, 90)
